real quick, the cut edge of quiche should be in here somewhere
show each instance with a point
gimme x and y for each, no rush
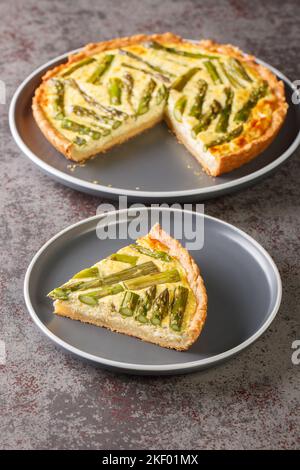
(232, 141)
(151, 290)
(216, 159)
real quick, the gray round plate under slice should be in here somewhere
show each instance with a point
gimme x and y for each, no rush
(153, 166)
(242, 281)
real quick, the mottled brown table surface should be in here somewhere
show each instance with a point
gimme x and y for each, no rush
(49, 399)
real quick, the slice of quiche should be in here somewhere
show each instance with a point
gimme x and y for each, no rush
(151, 289)
(221, 104)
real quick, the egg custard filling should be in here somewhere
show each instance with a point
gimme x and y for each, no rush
(222, 105)
(150, 289)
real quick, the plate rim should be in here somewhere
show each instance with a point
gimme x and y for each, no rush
(80, 184)
(154, 368)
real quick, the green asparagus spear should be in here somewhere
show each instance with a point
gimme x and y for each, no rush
(59, 99)
(101, 68)
(226, 137)
(91, 298)
(223, 121)
(256, 94)
(207, 118)
(153, 279)
(75, 284)
(196, 109)
(130, 273)
(173, 50)
(141, 318)
(115, 90)
(128, 83)
(212, 71)
(73, 126)
(162, 255)
(78, 65)
(156, 75)
(81, 111)
(58, 293)
(156, 68)
(145, 304)
(144, 103)
(129, 303)
(123, 258)
(231, 78)
(162, 94)
(88, 300)
(79, 141)
(240, 70)
(83, 285)
(105, 291)
(183, 80)
(179, 108)
(178, 307)
(109, 110)
(63, 291)
(160, 307)
(89, 272)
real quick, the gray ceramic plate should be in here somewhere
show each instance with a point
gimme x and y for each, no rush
(152, 166)
(243, 285)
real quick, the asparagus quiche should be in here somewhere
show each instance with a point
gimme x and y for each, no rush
(221, 104)
(151, 289)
